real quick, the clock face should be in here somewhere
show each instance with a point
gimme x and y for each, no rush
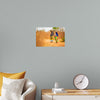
(81, 81)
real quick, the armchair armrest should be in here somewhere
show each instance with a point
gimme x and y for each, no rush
(29, 91)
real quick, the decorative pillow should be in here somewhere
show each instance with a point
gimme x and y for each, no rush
(12, 88)
(11, 76)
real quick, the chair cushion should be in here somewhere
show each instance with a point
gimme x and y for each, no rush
(11, 76)
(12, 88)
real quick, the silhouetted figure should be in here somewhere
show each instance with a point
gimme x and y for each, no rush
(51, 35)
(56, 37)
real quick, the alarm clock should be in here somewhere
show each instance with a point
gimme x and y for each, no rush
(81, 81)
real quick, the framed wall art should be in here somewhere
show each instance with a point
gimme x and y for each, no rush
(50, 37)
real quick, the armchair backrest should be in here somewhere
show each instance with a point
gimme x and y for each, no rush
(29, 90)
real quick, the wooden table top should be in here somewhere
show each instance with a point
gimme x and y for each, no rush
(72, 92)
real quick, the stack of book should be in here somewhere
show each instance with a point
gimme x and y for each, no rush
(58, 90)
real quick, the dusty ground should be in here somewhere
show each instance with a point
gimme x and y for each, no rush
(47, 43)
(43, 40)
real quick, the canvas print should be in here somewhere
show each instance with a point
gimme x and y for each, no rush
(50, 37)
